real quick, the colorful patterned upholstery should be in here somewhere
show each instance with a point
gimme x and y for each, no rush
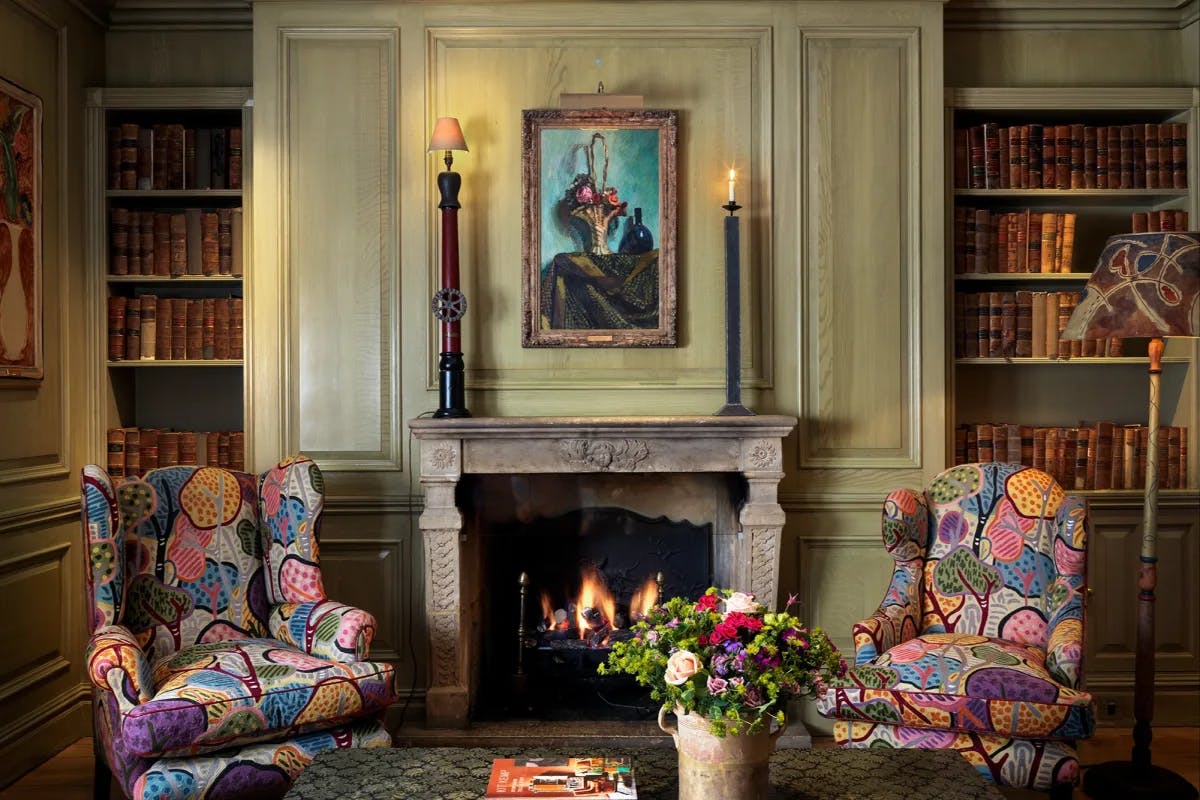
(977, 645)
(193, 570)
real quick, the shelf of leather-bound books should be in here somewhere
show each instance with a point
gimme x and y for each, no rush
(173, 194)
(176, 280)
(1024, 277)
(187, 362)
(1077, 361)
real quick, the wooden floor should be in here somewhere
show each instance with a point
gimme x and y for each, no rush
(68, 776)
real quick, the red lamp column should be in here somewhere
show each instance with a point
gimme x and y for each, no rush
(449, 302)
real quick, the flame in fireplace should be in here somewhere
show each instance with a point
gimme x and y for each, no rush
(644, 599)
(547, 609)
(593, 593)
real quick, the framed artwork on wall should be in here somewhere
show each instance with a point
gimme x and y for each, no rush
(20, 233)
(599, 227)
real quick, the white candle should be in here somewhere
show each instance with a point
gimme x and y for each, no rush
(731, 182)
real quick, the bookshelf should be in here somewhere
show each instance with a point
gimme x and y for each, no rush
(1064, 393)
(171, 224)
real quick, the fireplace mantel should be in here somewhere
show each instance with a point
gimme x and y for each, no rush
(450, 448)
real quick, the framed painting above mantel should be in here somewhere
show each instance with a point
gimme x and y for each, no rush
(599, 227)
(20, 234)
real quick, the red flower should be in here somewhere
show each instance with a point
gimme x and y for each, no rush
(743, 621)
(707, 602)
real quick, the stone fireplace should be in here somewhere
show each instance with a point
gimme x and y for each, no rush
(721, 472)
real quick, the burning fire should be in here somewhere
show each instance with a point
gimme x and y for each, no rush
(644, 599)
(594, 594)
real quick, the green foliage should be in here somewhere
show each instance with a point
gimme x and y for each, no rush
(994, 655)
(747, 665)
(250, 538)
(875, 677)
(960, 573)
(955, 483)
(149, 602)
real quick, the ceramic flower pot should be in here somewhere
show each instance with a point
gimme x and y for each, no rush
(732, 767)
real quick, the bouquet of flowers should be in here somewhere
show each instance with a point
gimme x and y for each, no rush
(727, 658)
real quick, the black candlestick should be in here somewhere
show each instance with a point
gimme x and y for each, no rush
(733, 319)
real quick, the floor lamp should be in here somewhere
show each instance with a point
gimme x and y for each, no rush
(1146, 285)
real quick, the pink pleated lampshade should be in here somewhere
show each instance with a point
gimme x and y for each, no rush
(447, 135)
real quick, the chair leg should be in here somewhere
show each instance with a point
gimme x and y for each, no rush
(101, 778)
(1061, 791)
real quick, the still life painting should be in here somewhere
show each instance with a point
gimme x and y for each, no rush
(20, 233)
(599, 227)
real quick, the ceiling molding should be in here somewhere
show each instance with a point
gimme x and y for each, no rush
(195, 15)
(1070, 14)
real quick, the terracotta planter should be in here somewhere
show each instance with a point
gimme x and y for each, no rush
(719, 768)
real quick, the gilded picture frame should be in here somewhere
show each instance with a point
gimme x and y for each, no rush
(21, 356)
(599, 227)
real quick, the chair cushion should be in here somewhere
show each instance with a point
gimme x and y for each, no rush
(963, 682)
(218, 694)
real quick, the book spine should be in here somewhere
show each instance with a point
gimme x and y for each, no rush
(204, 158)
(1064, 315)
(1008, 324)
(1126, 156)
(964, 240)
(1105, 457)
(972, 445)
(1049, 157)
(1090, 156)
(1165, 156)
(1053, 455)
(1102, 157)
(1035, 157)
(1049, 237)
(221, 343)
(1033, 260)
(145, 155)
(1077, 157)
(129, 156)
(208, 329)
(162, 342)
(234, 174)
(168, 449)
(1003, 245)
(193, 219)
(1051, 324)
(237, 451)
(178, 226)
(1062, 150)
(162, 244)
(149, 449)
(991, 155)
(147, 242)
(1143, 439)
(133, 452)
(1141, 222)
(219, 156)
(1022, 229)
(179, 313)
(238, 243)
(1090, 451)
(189, 158)
(195, 330)
(1008, 159)
(1150, 157)
(1183, 459)
(133, 330)
(1039, 449)
(149, 326)
(1024, 342)
(1116, 347)
(116, 453)
(982, 324)
(1179, 156)
(995, 324)
(134, 250)
(1066, 261)
(1139, 157)
(1117, 473)
(1173, 458)
(1129, 463)
(235, 327)
(175, 155)
(1023, 156)
(225, 241)
(1038, 324)
(187, 449)
(210, 254)
(1000, 443)
(983, 440)
(162, 180)
(212, 456)
(118, 261)
(223, 445)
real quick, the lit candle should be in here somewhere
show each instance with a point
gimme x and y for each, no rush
(731, 182)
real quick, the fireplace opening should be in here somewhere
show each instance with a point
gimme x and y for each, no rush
(590, 575)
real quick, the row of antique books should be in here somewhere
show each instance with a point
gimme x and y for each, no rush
(135, 451)
(151, 328)
(988, 241)
(1100, 455)
(1155, 221)
(174, 157)
(1142, 156)
(193, 241)
(1021, 324)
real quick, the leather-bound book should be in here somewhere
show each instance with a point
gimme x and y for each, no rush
(149, 305)
(115, 465)
(1059, 224)
(1143, 439)
(1163, 461)
(1150, 143)
(978, 178)
(129, 154)
(1023, 158)
(1139, 157)
(234, 176)
(1053, 455)
(223, 443)
(187, 449)
(192, 222)
(236, 227)
(1077, 157)
(162, 243)
(972, 445)
(1062, 156)
(189, 158)
(1165, 156)
(1069, 439)
(1008, 324)
(212, 455)
(195, 329)
(1166, 220)
(960, 444)
(1101, 157)
(1116, 474)
(1000, 443)
(1076, 344)
(1088, 348)
(1114, 156)
(1091, 452)
(1052, 325)
(208, 328)
(1129, 434)
(991, 155)
(1183, 458)
(149, 449)
(1006, 159)
(1152, 219)
(162, 326)
(133, 452)
(1090, 156)
(984, 441)
(179, 265)
(175, 155)
(962, 159)
(963, 245)
(203, 158)
(118, 227)
(145, 167)
(1013, 433)
(1173, 457)
(1067, 258)
(1022, 233)
(1049, 157)
(134, 249)
(210, 254)
(179, 328)
(983, 227)
(1116, 347)
(995, 324)
(1034, 181)
(1181, 221)
(1033, 259)
(1104, 456)
(1064, 314)
(1049, 238)
(221, 342)
(133, 330)
(1179, 156)
(983, 316)
(1127, 181)
(1038, 459)
(114, 156)
(147, 237)
(225, 241)
(1024, 343)
(168, 448)
(219, 156)
(235, 328)
(1003, 248)
(1037, 345)
(1140, 222)
(237, 451)
(162, 178)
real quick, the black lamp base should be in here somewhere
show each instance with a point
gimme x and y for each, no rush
(734, 410)
(451, 391)
(1120, 779)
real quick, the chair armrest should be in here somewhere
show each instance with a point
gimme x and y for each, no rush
(116, 664)
(1067, 596)
(324, 629)
(897, 619)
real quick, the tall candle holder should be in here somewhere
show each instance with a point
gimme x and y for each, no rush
(733, 314)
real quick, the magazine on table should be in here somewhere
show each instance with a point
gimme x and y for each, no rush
(557, 778)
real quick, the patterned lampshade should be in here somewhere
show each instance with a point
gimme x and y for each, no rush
(1145, 285)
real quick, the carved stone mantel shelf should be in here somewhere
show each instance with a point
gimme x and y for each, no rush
(451, 448)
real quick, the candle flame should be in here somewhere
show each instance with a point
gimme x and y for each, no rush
(731, 173)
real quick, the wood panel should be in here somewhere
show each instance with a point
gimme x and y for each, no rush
(370, 575)
(342, 245)
(35, 651)
(861, 359)
(842, 580)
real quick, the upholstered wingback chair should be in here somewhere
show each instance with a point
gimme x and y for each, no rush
(219, 667)
(978, 643)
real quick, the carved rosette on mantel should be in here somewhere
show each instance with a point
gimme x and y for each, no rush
(451, 448)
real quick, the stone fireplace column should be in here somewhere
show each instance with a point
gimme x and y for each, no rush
(761, 517)
(448, 699)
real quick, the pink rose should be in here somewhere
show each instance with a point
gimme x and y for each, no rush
(717, 685)
(584, 195)
(681, 666)
(741, 602)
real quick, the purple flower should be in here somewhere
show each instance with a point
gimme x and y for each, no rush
(733, 647)
(717, 685)
(766, 660)
(754, 696)
(737, 681)
(584, 195)
(841, 671)
(720, 665)
(674, 623)
(739, 661)
(652, 637)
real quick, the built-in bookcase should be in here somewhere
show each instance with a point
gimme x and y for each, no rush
(1063, 392)
(169, 234)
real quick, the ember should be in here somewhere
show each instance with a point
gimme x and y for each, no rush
(595, 615)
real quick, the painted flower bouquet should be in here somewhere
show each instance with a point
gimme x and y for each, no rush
(592, 200)
(725, 657)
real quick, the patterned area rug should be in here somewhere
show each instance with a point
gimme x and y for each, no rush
(456, 773)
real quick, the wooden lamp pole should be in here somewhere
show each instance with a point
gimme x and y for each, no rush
(449, 302)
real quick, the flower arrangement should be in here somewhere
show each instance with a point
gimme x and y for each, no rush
(727, 658)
